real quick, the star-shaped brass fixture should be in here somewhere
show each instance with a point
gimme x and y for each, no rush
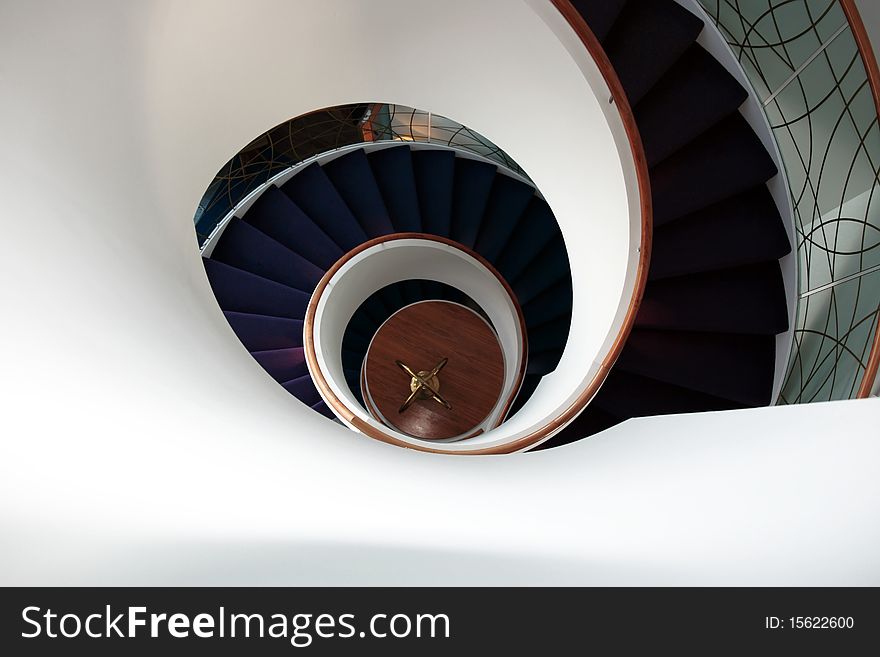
(424, 384)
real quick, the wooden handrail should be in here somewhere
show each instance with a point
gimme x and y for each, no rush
(618, 96)
(866, 52)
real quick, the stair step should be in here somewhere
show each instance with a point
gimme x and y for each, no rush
(323, 409)
(358, 334)
(473, 183)
(315, 194)
(283, 364)
(748, 299)
(696, 94)
(600, 16)
(551, 303)
(745, 229)
(393, 170)
(276, 215)
(507, 202)
(648, 37)
(545, 271)
(735, 367)
(303, 388)
(544, 362)
(591, 421)
(352, 378)
(352, 360)
(392, 298)
(533, 233)
(628, 395)
(411, 291)
(241, 291)
(437, 290)
(374, 309)
(529, 385)
(244, 247)
(265, 333)
(550, 336)
(723, 162)
(435, 177)
(353, 178)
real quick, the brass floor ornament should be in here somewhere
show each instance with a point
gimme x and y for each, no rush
(423, 384)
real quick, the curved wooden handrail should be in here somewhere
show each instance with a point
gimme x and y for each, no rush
(320, 380)
(866, 52)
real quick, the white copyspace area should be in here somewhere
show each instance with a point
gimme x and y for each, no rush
(142, 444)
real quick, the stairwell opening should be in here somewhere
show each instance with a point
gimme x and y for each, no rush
(295, 200)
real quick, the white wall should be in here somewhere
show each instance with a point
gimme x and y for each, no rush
(771, 496)
(141, 444)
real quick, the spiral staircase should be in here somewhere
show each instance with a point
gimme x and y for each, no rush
(169, 456)
(705, 335)
(704, 338)
(266, 265)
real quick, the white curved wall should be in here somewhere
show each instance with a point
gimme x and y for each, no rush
(140, 442)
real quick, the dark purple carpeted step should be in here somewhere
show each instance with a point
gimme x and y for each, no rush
(748, 299)
(696, 94)
(543, 362)
(356, 340)
(473, 183)
(244, 247)
(393, 171)
(375, 311)
(303, 389)
(362, 326)
(545, 271)
(549, 336)
(628, 395)
(591, 421)
(742, 230)
(392, 297)
(323, 409)
(529, 385)
(241, 291)
(353, 380)
(600, 15)
(263, 333)
(435, 177)
(533, 233)
(735, 367)
(506, 205)
(552, 303)
(283, 364)
(647, 39)
(315, 194)
(276, 215)
(353, 178)
(725, 161)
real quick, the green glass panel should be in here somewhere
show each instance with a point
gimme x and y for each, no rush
(824, 120)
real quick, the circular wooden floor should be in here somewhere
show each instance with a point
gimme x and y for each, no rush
(420, 336)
